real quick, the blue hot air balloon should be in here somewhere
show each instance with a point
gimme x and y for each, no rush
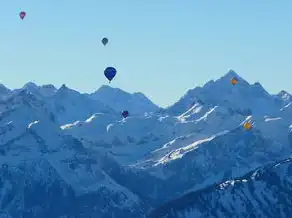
(125, 114)
(22, 15)
(104, 41)
(110, 73)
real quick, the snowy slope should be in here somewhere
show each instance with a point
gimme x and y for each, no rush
(246, 98)
(145, 160)
(215, 146)
(70, 106)
(265, 192)
(191, 164)
(128, 139)
(119, 100)
(285, 96)
(36, 90)
(44, 90)
(41, 161)
(170, 147)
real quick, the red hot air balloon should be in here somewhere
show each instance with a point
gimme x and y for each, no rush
(22, 15)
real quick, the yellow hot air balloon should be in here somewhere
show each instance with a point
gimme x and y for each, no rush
(247, 125)
(234, 81)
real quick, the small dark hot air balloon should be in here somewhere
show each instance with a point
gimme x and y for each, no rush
(104, 41)
(110, 73)
(22, 15)
(125, 114)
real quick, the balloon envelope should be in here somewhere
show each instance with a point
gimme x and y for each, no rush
(110, 73)
(234, 81)
(125, 114)
(247, 125)
(104, 41)
(22, 15)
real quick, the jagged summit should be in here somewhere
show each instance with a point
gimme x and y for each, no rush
(64, 86)
(242, 96)
(4, 91)
(64, 90)
(231, 74)
(106, 87)
(48, 90)
(120, 100)
(30, 85)
(224, 81)
(285, 95)
(48, 86)
(2, 86)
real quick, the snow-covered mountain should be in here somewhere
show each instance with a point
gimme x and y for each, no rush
(264, 192)
(43, 91)
(69, 105)
(285, 96)
(119, 100)
(65, 148)
(4, 92)
(244, 97)
(41, 166)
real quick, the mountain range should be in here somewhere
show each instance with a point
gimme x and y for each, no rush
(71, 155)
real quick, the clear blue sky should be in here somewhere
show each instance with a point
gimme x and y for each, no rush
(159, 47)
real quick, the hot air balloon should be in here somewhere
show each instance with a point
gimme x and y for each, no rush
(247, 125)
(234, 81)
(110, 73)
(104, 41)
(125, 114)
(22, 15)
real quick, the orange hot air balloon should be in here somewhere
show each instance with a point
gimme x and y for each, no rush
(234, 81)
(247, 125)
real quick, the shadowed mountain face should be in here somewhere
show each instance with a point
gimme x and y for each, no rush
(72, 155)
(265, 192)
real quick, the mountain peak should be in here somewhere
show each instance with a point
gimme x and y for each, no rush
(231, 74)
(64, 90)
(30, 85)
(283, 92)
(48, 86)
(63, 87)
(242, 96)
(284, 95)
(105, 88)
(47, 90)
(120, 100)
(2, 86)
(4, 90)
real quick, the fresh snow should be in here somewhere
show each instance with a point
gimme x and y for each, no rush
(196, 142)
